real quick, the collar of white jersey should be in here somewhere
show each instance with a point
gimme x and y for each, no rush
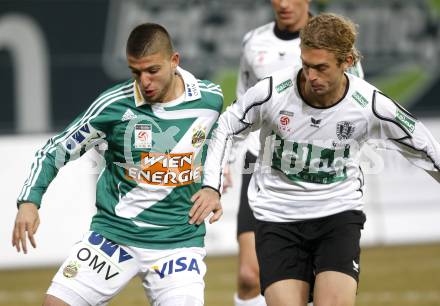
(192, 90)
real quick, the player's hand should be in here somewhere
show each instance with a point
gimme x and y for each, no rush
(205, 201)
(27, 221)
(227, 181)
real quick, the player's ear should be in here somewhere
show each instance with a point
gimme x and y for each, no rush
(175, 60)
(349, 61)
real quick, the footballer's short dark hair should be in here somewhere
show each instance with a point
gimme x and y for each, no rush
(147, 39)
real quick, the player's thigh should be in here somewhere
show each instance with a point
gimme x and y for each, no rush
(339, 249)
(334, 289)
(59, 295)
(176, 273)
(337, 260)
(289, 292)
(246, 252)
(96, 270)
(183, 300)
(281, 255)
(245, 217)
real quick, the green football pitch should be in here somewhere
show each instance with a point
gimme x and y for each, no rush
(391, 276)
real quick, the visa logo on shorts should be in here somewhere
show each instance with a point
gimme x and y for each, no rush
(175, 266)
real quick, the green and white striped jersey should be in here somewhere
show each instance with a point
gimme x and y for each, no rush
(153, 160)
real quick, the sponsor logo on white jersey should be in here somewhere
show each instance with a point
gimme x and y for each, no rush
(285, 120)
(405, 120)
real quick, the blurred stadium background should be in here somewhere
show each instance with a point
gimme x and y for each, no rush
(56, 56)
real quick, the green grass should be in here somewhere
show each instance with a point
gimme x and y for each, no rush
(435, 5)
(391, 276)
(227, 79)
(402, 86)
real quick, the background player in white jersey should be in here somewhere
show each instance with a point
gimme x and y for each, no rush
(308, 183)
(266, 49)
(155, 126)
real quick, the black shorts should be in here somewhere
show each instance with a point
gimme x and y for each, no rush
(301, 250)
(246, 221)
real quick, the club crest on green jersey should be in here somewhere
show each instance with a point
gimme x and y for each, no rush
(198, 136)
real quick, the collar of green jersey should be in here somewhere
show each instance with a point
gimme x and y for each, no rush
(192, 90)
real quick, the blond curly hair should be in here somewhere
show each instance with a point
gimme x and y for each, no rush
(331, 32)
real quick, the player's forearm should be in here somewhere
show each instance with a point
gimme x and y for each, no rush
(43, 171)
(218, 155)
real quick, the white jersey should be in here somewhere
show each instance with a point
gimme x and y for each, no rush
(266, 50)
(308, 165)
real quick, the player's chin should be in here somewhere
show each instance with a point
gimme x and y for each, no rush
(153, 99)
(319, 90)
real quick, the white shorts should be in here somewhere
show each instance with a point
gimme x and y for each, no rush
(97, 269)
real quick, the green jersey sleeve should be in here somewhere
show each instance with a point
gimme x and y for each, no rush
(84, 133)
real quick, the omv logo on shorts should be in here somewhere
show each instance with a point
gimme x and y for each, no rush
(175, 266)
(109, 247)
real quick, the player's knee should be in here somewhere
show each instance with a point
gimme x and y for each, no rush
(51, 300)
(183, 300)
(333, 300)
(248, 278)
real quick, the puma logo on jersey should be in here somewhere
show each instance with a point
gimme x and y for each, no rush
(128, 115)
(175, 266)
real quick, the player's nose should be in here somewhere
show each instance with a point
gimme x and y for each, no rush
(312, 74)
(145, 80)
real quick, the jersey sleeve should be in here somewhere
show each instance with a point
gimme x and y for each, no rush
(83, 134)
(403, 133)
(242, 117)
(246, 79)
(246, 76)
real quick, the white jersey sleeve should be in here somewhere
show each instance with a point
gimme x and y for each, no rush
(246, 77)
(242, 117)
(404, 133)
